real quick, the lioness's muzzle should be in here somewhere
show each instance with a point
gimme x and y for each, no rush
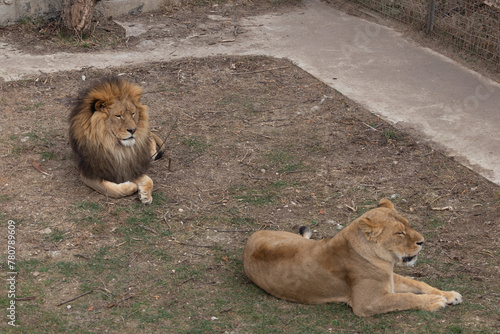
(409, 258)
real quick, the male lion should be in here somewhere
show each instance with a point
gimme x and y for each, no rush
(354, 267)
(110, 136)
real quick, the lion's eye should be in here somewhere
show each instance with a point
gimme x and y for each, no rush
(401, 233)
(118, 116)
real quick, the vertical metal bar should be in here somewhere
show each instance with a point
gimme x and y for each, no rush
(429, 24)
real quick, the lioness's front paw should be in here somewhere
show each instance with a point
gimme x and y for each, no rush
(452, 297)
(434, 303)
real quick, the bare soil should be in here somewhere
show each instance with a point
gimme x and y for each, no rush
(252, 143)
(187, 20)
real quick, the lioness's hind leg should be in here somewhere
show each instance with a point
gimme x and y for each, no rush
(145, 186)
(156, 147)
(111, 189)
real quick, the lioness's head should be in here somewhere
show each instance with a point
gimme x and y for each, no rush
(117, 103)
(390, 234)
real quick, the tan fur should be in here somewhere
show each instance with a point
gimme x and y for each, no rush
(109, 133)
(354, 267)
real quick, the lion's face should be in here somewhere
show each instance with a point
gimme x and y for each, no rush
(123, 116)
(117, 112)
(393, 238)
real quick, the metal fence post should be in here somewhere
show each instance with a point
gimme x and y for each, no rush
(429, 24)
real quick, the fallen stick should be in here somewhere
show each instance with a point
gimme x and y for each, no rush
(445, 208)
(260, 71)
(185, 281)
(439, 197)
(116, 303)
(192, 245)
(371, 127)
(148, 228)
(79, 296)
(229, 231)
(39, 168)
(26, 298)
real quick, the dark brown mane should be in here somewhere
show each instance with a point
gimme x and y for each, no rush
(99, 154)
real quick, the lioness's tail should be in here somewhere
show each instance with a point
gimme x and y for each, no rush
(305, 232)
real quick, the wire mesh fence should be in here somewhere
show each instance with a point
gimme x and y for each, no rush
(472, 25)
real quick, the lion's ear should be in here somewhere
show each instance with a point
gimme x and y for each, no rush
(385, 203)
(370, 229)
(99, 105)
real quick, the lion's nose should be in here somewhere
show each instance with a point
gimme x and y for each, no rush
(420, 243)
(132, 131)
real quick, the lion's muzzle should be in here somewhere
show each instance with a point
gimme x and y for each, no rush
(130, 141)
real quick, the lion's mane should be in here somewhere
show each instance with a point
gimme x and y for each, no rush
(100, 155)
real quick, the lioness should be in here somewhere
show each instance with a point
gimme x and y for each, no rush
(354, 267)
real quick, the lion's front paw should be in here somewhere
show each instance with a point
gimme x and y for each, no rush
(434, 303)
(145, 187)
(452, 297)
(145, 197)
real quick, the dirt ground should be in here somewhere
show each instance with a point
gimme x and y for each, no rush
(252, 143)
(189, 20)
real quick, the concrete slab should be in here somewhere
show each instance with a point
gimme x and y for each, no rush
(453, 107)
(13, 10)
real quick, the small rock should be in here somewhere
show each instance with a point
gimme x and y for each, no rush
(46, 230)
(54, 253)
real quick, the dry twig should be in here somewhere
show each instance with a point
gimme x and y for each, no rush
(229, 231)
(444, 208)
(260, 71)
(26, 298)
(439, 197)
(148, 228)
(185, 281)
(82, 256)
(192, 245)
(353, 208)
(75, 298)
(39, 168)
(119, 301)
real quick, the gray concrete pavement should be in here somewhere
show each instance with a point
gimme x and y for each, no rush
(443, 102)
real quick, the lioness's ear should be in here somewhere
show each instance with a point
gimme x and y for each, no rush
(370, 229)
(385, 203)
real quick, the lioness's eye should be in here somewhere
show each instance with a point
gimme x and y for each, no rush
(118, 116)
(400, 233)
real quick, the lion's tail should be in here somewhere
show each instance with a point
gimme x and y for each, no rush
(160, 147)
(305, 232)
